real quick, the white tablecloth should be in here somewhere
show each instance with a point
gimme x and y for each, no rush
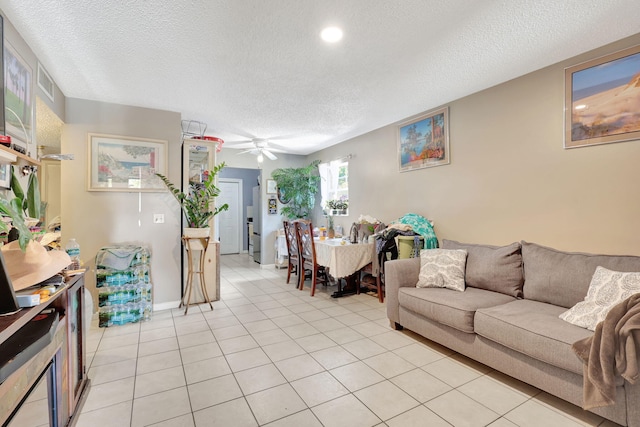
(343, 260)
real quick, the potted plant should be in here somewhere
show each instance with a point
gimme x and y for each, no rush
(23, 210)
(298, 186)
(337, 206)
(342, 205)
(197, 204)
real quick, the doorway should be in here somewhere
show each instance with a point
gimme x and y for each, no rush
(230, 221)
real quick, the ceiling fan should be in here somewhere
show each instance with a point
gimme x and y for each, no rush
(260, 149)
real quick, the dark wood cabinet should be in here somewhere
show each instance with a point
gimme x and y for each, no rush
(62, 362)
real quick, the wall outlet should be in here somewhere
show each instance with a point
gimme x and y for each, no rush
(158, 218)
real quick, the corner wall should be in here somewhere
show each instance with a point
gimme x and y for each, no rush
(98, 219)
(510, 178)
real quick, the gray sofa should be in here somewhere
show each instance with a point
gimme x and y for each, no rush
(507, 317)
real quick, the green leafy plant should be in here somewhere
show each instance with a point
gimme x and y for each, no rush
(299, 186)
(338, 204)
(15, 209)
(197, 203)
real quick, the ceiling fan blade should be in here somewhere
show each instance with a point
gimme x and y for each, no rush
(241, 141)
(252, 151)
(269, 154)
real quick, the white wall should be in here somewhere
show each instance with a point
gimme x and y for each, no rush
(510, 178)
(98, 219)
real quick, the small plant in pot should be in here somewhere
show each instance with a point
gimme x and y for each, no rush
(197, 204)
(23, 210)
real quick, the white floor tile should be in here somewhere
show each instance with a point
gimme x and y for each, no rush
(160, 407)
(234, 345)
(451, 372)
(157, 346)
(200, 352)
(283, 350)
(303, 418)
(206, 369)
(356, 376)
(319, 388)
(275, 403)
(298, 367)
(417, 417)
(211, 392)
(233, 413)
(460, 410)
(420, 385)
(333, 357)
(364, 348)
(260, 378)
(247, 359)
(495, 396)
(107, 394)
(316, 342)
(117, 415)
(386, 400)
(159, 381)
(157, 362)
(113, 371)
(345, 411)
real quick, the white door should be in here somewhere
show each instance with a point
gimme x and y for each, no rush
(230, 221)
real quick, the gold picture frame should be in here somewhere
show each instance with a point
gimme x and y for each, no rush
(602, 99)
(122, 163)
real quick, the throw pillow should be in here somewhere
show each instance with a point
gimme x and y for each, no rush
(607, 289)
(494, 268)
(442, 268)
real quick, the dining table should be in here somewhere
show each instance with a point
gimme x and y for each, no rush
(343, 258)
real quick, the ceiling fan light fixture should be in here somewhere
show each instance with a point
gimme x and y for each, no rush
(260, 157)
(331, 34)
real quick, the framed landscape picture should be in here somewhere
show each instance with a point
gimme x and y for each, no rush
(18, 97)
(602, 100)
(424, 142)
(120, 163)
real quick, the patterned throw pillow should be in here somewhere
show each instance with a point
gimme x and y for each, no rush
(442, 268)
(607, 289)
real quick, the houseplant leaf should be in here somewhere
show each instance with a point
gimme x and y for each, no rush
(33, 197)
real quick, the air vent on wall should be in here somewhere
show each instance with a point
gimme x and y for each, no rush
(45, 82)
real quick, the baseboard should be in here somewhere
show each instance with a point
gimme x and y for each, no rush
(166, 305)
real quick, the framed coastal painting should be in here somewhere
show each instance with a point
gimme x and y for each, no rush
(424, 142)
(121, 163)
(602, 100)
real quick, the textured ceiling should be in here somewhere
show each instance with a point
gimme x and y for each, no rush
(254, 68)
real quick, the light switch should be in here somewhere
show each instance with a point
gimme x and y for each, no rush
(158, 218)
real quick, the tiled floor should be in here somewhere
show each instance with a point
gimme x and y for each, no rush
(269, 354)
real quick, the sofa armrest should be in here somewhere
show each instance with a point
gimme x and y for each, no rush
(399, 273)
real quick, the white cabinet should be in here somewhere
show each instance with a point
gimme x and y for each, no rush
(199, 156)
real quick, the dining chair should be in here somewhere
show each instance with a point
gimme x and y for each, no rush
(293, 248)
(304, 230)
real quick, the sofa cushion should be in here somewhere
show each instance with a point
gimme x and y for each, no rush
(562, 278)
(607, 289)
(442, 268)
(455, 309)
(532, 328)
(494, 268)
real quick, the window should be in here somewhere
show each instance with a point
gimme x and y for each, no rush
(334, 187)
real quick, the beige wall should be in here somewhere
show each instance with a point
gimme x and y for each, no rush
(98, 219)
(510, 177)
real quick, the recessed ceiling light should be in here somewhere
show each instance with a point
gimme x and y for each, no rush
(331, 34)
